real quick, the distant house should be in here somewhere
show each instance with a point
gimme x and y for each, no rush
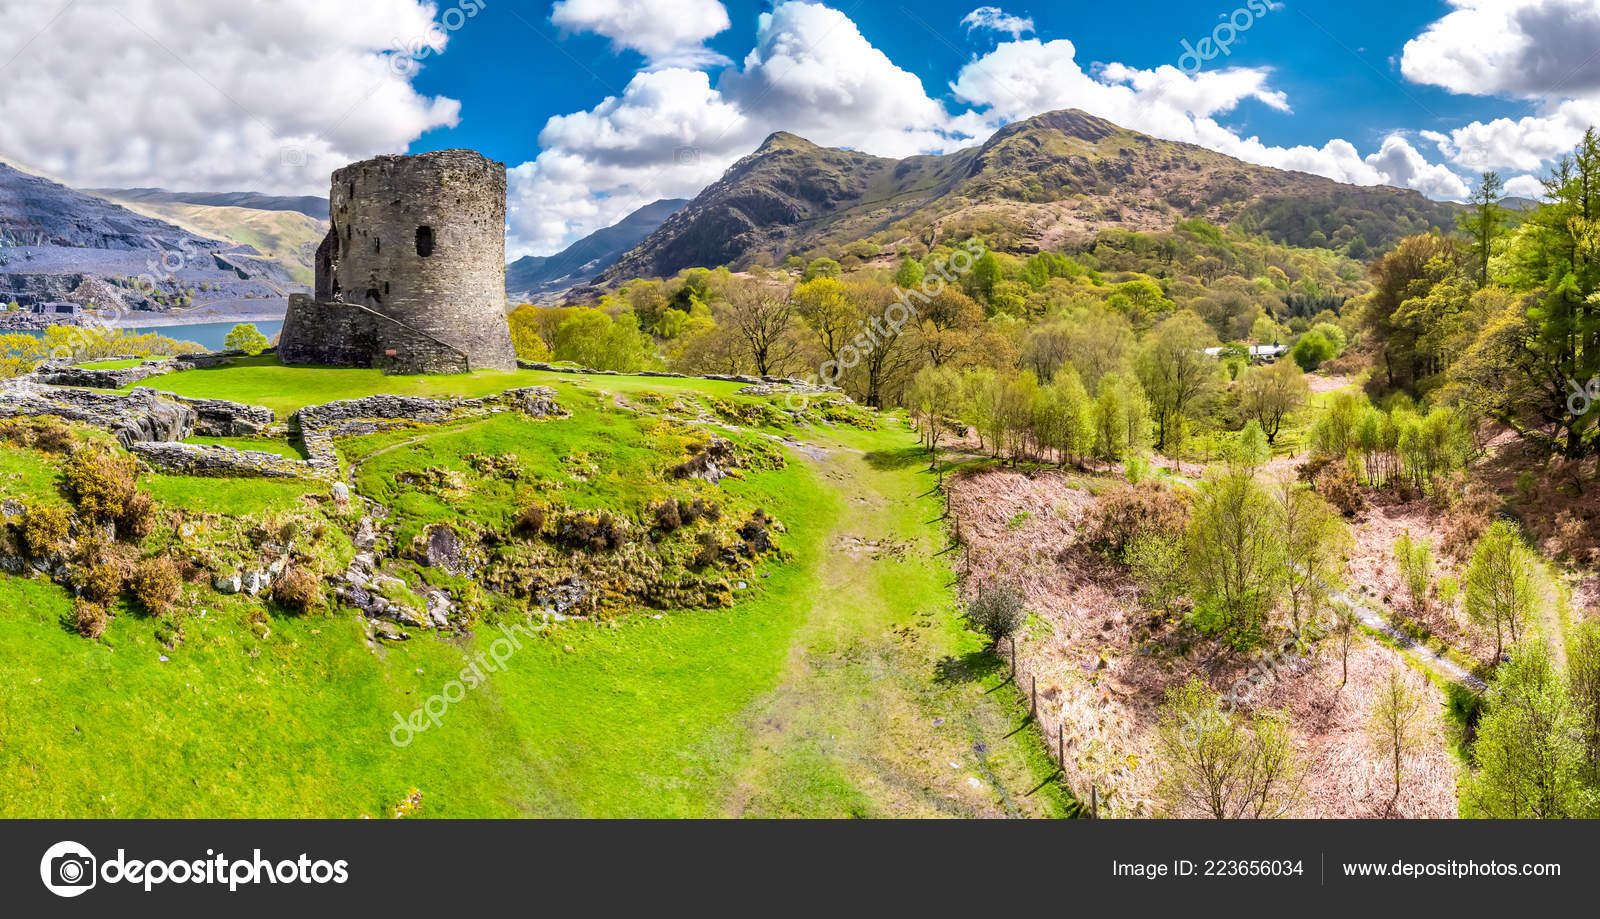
(1259, 354)
(57, 308)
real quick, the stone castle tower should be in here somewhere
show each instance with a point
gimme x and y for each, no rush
(411, 276)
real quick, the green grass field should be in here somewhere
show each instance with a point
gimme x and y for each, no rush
(841, 683)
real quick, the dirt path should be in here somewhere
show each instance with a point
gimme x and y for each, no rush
(877, 695)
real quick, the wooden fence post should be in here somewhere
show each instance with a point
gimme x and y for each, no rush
(1094, 802)
(1061, 746)
(1013, 654)
(1033, 702)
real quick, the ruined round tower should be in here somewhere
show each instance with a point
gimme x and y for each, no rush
(411, 276)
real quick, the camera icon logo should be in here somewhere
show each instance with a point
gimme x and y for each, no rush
(68, 869)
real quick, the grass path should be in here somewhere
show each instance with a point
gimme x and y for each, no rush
(863, 723)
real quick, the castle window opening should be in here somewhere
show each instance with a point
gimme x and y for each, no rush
(424, 241)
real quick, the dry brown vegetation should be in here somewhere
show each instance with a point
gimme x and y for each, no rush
(1103, 663)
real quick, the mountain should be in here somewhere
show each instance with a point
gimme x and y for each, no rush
(1040, 183)
(533, 276)
(59, 244)
(312, 206)
(282, 233)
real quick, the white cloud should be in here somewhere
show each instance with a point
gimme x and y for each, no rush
(1525, 186)
(995, 19)
(669, 33)
(668, 135)
(1023, 78)
(264, 97)
(1526, 48)
(671, 132)
(1543, 51)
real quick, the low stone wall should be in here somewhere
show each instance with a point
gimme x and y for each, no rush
(213, 459)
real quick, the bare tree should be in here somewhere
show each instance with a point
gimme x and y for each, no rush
(760, 314)
(1222, 765)
(1396, 726)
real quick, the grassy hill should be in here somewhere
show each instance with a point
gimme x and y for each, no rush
(815, 693)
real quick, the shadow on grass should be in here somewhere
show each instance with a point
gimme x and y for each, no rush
(968, 668)
(888, 460)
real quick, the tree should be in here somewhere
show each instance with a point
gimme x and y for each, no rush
(821, 268)
(909, 274)
(1414, 557)
(1315, 538)
(823, 304)
(1583, 675)
(1179, 377)
(1529, 747)
(1345, 628)
(1312, 350)
(590, 338)
(1270, 393)
(997, 612)
(1221, 765)
(1159, 566)
(935, 393)
(1235, 554)
(1396, 725)
(760, 314)
(247, 338)
(1482, 221)
(1063, 420)
(1501, 583)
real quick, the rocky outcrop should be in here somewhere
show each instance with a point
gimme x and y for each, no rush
(139, 416)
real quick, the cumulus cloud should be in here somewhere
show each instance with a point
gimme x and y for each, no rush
(813, 73)
(672, 132)
(669, 33)
(1543, 51)
(1526, 48)
(1525, 186)
(265, 97)
(994, 19)
(1023, 78)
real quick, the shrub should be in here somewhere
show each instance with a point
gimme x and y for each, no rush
(138, 517)
(597, 534)
(298, 588)
(90, 619)
(1467, 518)
(690, 511)
(99, 482)
(710, 550)
(997, 612)
(530, 522)
(1337, 486)
(42, 434)
(155, 584)
(1126, 512)
(101, 581)
(45, 528)
(667, 516)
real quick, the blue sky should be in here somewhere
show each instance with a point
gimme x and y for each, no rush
(600, 106)
(1335, 60)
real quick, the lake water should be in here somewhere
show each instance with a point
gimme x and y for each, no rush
(208, 335)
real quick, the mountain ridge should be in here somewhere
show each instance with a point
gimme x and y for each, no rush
(1036, 183)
